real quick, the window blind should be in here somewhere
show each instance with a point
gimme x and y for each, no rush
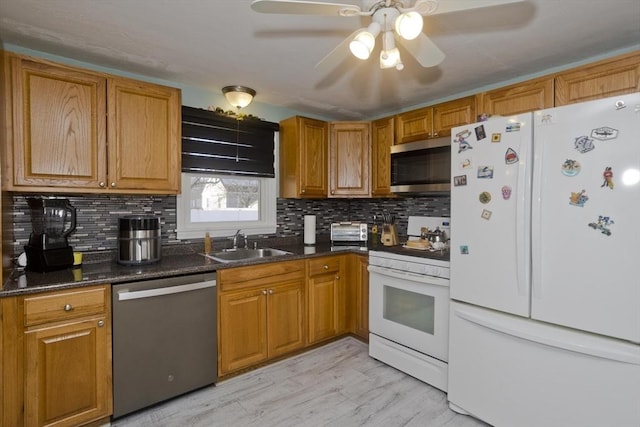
(214, 143)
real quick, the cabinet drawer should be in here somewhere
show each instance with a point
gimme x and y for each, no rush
(233, 279)
(52, 307)
(324, 265)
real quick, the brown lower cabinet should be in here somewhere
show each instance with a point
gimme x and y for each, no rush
(327, 297)
(56, 349)
(261, 313)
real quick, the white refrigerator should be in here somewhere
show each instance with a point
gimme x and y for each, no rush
(545, 267)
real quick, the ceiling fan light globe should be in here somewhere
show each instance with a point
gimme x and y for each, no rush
(362, 45)
(409, 25)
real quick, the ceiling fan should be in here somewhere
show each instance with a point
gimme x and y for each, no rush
(397, 20)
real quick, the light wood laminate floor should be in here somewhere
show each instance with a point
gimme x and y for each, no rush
(335, 385)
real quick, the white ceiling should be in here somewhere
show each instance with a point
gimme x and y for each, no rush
(214, 43)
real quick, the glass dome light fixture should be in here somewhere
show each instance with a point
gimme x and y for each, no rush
(409, 25)
(239, 96)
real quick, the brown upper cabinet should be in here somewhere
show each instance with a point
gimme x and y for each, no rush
(610, 77)
(435, 121)
(518, 98)
(89, 132)
(381, 142)
(349, 164)
(304, 146)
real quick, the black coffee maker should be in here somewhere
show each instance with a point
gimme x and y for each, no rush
(52, 220)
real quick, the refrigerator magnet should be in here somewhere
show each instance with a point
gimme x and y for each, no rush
(602, 224)
(496, 137)
(486, 214)
(461, 140)
(608, 178)
(484, 197)
(513, 127)
(480, 133)
(459, 180)
(510, 157)
(584, 144)
(571, 167)
(464, 249)
(485, 172)
(506, 192)
(604, 133)
(578, 198)
(465, 163)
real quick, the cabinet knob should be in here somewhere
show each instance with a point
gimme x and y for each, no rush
(113, 184)
(435, 134)
(270, 291)
(333, 191)
(326, 267)
(303, 190)
(100, 323)
(68, 307)
(264, 292)
(101, 184)
(337, 277)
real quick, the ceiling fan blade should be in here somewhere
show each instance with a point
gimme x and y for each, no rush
(423, 49)
(337, 54)
(305, 7)
(447, 6)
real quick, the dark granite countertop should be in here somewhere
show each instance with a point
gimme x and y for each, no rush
(177, 260)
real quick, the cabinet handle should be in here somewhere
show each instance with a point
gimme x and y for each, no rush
(326, 267)
(264, 292)
(435, 134)
(337, 277)
(113, 185)
(100, 323)
(303, 190)
(101, 184)
(333, 192)
(68, 307)
(270, 291)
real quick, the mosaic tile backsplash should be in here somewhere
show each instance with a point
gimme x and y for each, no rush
(97, 216)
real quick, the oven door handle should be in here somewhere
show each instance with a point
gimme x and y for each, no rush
(404, 275)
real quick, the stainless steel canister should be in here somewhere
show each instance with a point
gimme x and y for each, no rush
(139, 240)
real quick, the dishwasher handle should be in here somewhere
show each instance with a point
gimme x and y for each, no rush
(125, 294)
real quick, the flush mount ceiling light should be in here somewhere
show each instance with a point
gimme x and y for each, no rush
(239, 96)
(399, 20)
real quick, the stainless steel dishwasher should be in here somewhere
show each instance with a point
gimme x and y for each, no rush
(164, 339)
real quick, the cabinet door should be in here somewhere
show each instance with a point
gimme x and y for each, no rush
(285, 318)
(327, 298)
(381, 142)
(144, 136)
(59, 137)
(67, 374)
(451, 114)
(361, 283)
(349, 159)
(414, 125)
(243, 329)
(600, 80)
(314, 144)
(519, 98)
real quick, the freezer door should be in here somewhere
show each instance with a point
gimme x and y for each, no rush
(490, 207)
(586, 222)
(511, 371)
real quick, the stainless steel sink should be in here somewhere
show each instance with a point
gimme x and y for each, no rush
(242, 254)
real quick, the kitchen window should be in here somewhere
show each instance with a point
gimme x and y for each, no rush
(228, 179)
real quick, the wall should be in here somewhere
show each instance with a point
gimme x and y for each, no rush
(97, 216)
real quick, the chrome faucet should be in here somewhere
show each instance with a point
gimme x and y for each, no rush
(235, 239)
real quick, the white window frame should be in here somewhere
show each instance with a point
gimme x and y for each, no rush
(267, 223)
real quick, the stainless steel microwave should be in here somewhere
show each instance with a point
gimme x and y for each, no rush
(422, 167)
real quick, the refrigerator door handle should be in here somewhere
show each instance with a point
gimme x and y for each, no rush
(595, 350)
(536, 237)
(523, 218)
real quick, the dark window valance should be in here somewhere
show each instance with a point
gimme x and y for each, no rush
(215, 143)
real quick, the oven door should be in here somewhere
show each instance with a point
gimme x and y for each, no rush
(410, 309)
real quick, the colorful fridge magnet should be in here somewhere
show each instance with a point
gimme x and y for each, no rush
(484, 197)
(510, 157)
(506, 192)
(578, 199)
(480, 133)
(571, 167)
(461, 140)
(602, 224)
(608, 177)
(465, 164)
(486, 214)
(459, 180)
(464, 249)
(513, 127)
(485, 172)
(604, 133)
(584, 144)
(496, 137)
